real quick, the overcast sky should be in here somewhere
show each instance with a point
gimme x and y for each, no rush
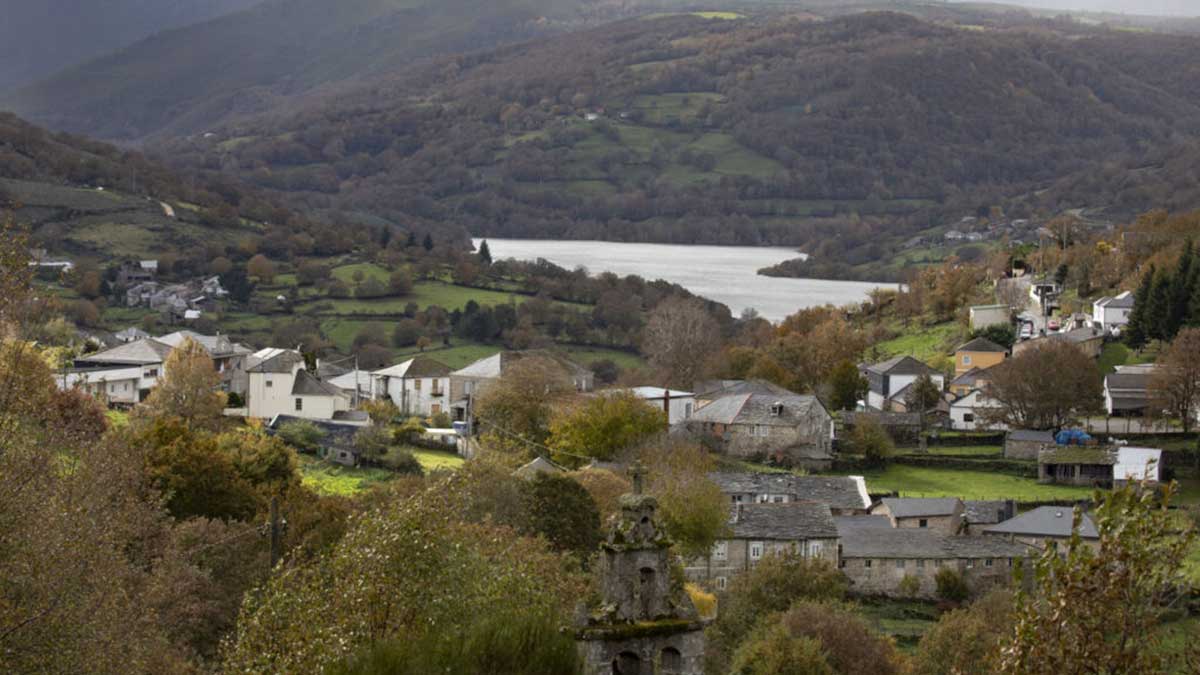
(1155, 7)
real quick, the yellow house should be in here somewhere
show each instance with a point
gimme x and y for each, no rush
(978, 353)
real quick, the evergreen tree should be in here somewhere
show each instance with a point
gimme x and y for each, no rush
(485, 254)
(1159, 311)
(428, 243)
(1137, 330)
(411, 242)
(385, 236)
(1181, 287)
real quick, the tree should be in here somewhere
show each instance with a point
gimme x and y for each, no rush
(1175, 384)
(772, 586)
(1138, 329)
(605, 487)
(238, 285)
(400, 282)
(187, 389)
(513, 414)
(606, 370)
(601, 427)
(850, 647)
(869, 439)
(562, 511)
(772, 650)
(372, 442)
(678, 339)
(951, 586)
(923, 395)
(485, 253)
(261, 268)
(427, 243)
(966, 641)
(1044, 387)
(695, 513)
(1100, 604)
(847, 386)
(1001, 334)
(198, 477)
(1182, 285)
(302, 435)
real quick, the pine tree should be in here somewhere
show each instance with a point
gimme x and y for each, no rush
(411, 242)
(428, 243)
(1158, 313)
(1180, 293)
(1137, 330)
(485, 254)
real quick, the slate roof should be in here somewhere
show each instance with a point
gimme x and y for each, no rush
(980, 344)
(420, 366)
(1030, 436)
(968, 378)
(143, 352)
(281, 361)
(1075, 454)
(539, 465)
(334, 434)
(1046, 521)
(838, 492)
(308, 385)
(328, 371)
(215, 345)
(901, 365)
(984, 512)
(494, 366)
(757, 409)
(874, 537)
(919, 507)
(1123, 301)
(130, 334)
(1137, 381)
(712, 389)
(787, 522)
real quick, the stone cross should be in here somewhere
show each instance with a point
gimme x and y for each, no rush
(637, 471)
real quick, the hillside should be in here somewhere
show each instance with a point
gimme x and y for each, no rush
(846, 136)
(42, 37)
(184, 80)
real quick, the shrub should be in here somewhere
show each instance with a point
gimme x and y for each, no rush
(301, 435)
(372, 442)
(951, 586)
(705, 602)
(234, 400)
(910, 586)
(403, 461)
(771, 650)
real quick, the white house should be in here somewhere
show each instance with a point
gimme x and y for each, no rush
(419, 386)
(279, 385)
(967, 412)
(146, 356)
(1127, 391)
(1113, 312)
(888, 380)
(117, 386)
(983, 316)
(1137, 464)
(355, 383)
(468, 382)
(679, 405)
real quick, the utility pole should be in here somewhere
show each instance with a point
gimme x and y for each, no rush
(277, 527)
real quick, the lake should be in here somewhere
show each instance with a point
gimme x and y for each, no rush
(727, 274)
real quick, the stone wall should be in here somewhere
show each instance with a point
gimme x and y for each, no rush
(944, 524)
(1022, 449)
(715, 573)
(883, 576)
(806, 443)
(678, 654)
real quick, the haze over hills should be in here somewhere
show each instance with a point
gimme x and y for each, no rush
(181, 81)
(39, 37)
(841, 135)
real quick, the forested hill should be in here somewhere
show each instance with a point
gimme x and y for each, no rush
(719, 128)
(40, 37)
(183, 80)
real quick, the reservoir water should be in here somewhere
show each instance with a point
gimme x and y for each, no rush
(727, 274)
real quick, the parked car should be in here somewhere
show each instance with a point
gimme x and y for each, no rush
(1053, 325)
(1026, 331)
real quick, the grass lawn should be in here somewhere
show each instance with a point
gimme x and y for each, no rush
(971, 450)
(924, 344)
(434, 460)
(458, 356)
(1177, 638)
(915, 481)
(369, 271)
(333, 479)
(585, 355)
(117, 418)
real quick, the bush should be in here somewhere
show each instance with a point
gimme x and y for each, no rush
(951, 586)
(910, 586)
(771, 650)
(403, 462)
(869, 439)
(234, 400)
(301, 435)
(372, 442)
(440, 421)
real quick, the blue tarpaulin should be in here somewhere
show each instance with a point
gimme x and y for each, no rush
(1072, 437)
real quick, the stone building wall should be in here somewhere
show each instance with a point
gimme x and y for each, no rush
(884, 575)
(944, 524)
(715, 573)
(807, 443)
(678, 654)
(1022, 449)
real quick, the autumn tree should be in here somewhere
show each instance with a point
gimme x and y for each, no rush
(694, 511)
(561, 510)
(513, 414)
(679, 338)
(605, 487)
(1175, 384)
(1044, 387)
(1099, 604)
(848, 645)
(966, 641)
(261, 268)
(188, 388)
(601, 427)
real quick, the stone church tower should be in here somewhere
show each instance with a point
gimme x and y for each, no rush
(645, 624)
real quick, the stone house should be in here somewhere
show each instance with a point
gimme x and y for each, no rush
(337, 437)
(877, 558)
(1043, 525)
(1076, 465)
(981, 513)
(844, 495)
(759, 530)
(1026, 443)
(903, 427)
(229, 358)
(469, 382)
(943, 515)
(887, 381)
(1089, 340)
(418, 386)
(790, 429)
(978, 353)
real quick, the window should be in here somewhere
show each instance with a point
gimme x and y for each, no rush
(269, 384)
(970, 563)
(937, 563)
(920, 564)
(966, 359)
(720, 551)
(778, 499)
(299, 404)
(815, 548)
(739, 499)
(987, 563)
(969, 417)
(1010, 562)
(842, 564)
(417, 384)
(153, 372)
(756, 550)
(687, 411)
(670, 661)
(923, 522)
(760, 430)
(867, 563)
(721, 582)
(435, 409)
(900, 564)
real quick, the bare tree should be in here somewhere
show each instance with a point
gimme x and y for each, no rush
(679, 339)
(1044, 387)
(1175, 385)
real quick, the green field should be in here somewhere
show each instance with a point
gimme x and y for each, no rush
(981, 451)
(585, 355)
(456, 357)
(333, 479)
(913, 481)
(433, 460)
(369, 271)
(924, 344)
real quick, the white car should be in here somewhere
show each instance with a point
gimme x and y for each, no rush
(1026, 331)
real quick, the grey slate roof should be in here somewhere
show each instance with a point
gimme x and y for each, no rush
(984, 512)
(1028, 435)
(283, 362)
(1139, 381)
(495, 365)
(968, 378)
(215, 345)
(900, 365)
(712, 389)
(334, 434)
(756, 409)
(1046, 521)
(1075, 454)
(980, 344)
(308, 385)
(918, 507)
(420, 366)
(788, 522)
(1122, 301)
(539, 465)
(145, 351)
(874, 537)
(837, 492)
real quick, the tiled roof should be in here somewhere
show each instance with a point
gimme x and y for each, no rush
(1028, 435)
(874, 537)
(1046, 521)
(756, 409)
(838, 492)
(916, 507)
(308, 385)
(281, 361)
(1075, 454)
(980, 344)
(145, 351)
(901, 365)
(790, 521)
